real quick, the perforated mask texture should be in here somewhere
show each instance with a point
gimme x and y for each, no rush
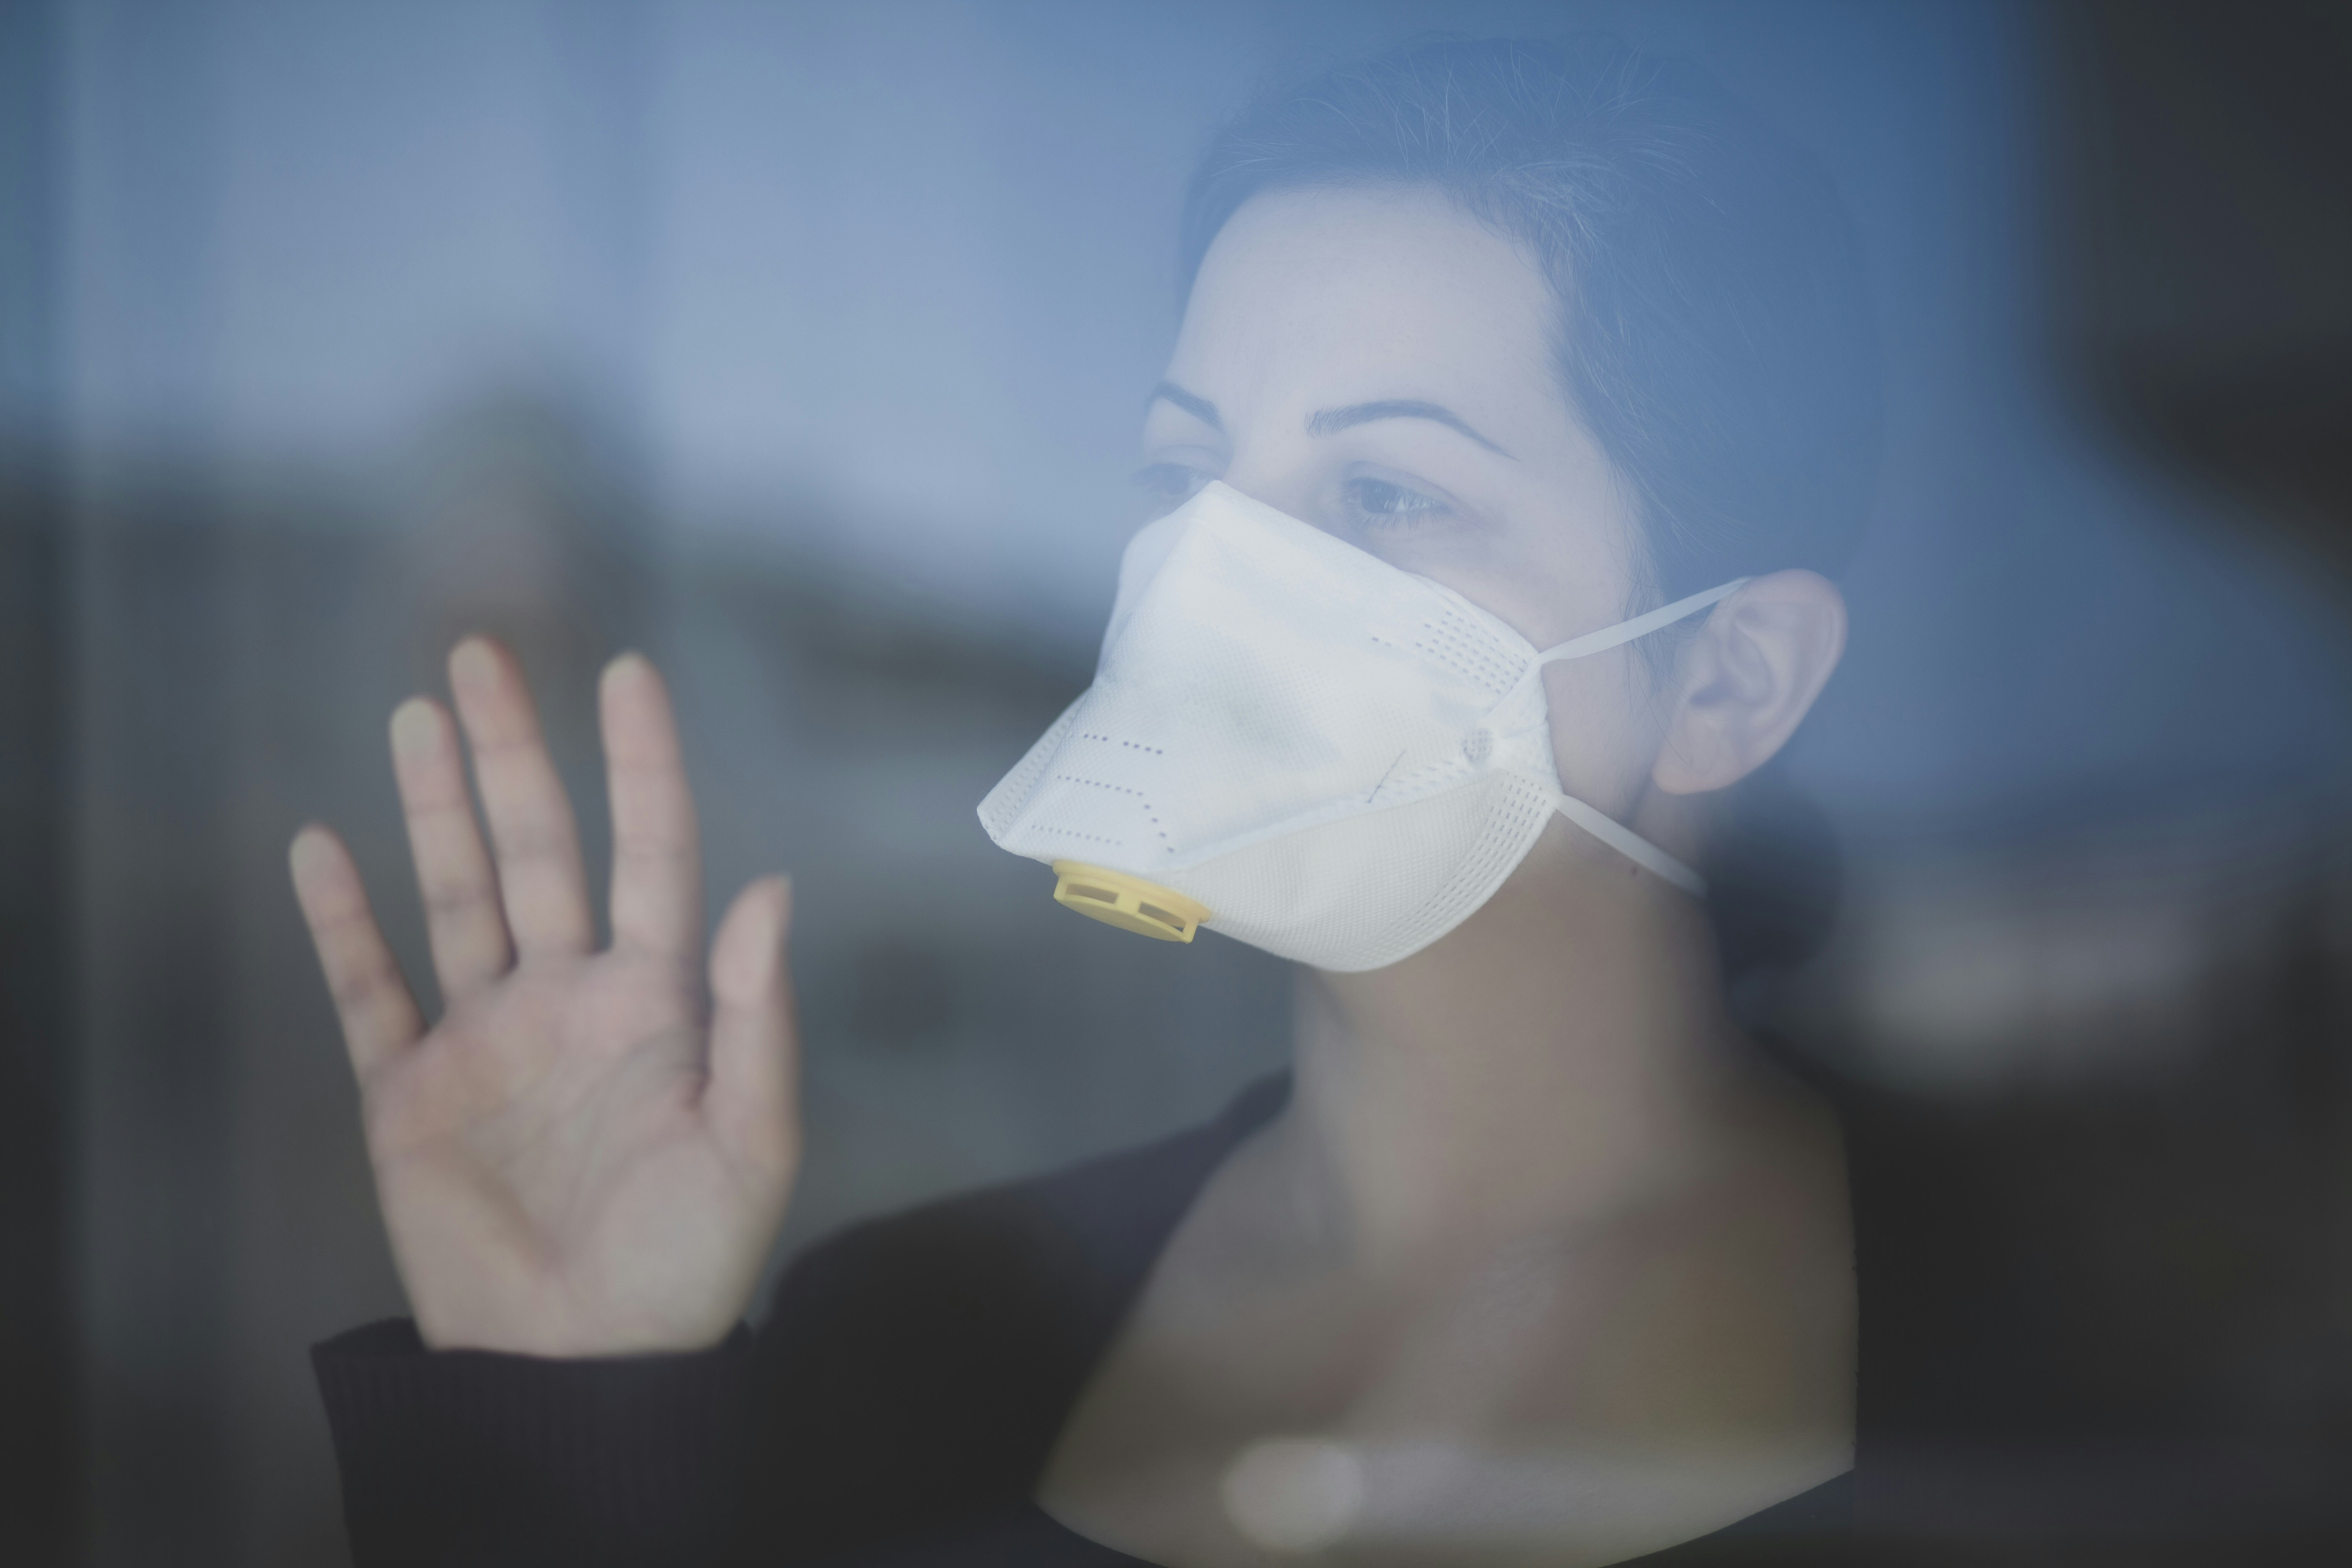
(1297, 734)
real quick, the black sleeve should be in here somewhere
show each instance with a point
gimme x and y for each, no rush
(460, 1457)
(905, 1391)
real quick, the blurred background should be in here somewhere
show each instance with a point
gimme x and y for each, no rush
(803, 346)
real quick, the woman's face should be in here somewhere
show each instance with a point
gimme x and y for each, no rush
(1379, 365)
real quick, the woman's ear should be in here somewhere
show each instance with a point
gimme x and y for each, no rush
(1748, 678)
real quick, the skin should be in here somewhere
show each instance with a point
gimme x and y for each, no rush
(1535, 1199)
(1534, 1194)
(583, 1156)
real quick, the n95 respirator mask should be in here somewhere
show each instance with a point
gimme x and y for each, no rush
(1296, 743)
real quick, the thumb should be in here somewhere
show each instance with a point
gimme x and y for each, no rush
(753, 1099)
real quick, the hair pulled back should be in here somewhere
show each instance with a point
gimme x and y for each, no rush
(1714, 331)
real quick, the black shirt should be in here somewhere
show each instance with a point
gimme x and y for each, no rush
(897, 1406)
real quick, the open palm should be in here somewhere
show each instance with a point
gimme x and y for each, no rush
(580, 1158)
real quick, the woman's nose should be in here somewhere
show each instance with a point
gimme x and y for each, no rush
(1286, 491)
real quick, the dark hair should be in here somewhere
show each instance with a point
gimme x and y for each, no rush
(1715, 333)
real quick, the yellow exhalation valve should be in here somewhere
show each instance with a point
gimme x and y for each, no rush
(1127, 902)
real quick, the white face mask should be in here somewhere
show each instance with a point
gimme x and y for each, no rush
(1296, 743)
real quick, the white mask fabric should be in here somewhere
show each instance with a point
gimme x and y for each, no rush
(1292, 742)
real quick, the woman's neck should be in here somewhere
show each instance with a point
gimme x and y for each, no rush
(1566, 1055)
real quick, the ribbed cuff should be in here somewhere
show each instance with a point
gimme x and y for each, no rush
(472, 1457)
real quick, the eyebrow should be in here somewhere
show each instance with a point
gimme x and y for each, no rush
(1199, 407)
(1330, 421)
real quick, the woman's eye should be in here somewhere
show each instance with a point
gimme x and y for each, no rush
(1169, 482)
(1385, 505)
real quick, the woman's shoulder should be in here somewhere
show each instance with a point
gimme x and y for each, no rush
(935, 1352)
(1067, 1235)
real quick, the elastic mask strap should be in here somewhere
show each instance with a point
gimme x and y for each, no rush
(1630, 844)
(1617, 636)
(1607, 829)
(1624, 632)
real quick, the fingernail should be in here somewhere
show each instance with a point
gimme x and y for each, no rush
(415, 728)
(630, 666)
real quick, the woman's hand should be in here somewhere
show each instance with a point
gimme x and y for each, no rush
(572, 1162)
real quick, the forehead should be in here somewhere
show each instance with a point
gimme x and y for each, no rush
(1332, 296)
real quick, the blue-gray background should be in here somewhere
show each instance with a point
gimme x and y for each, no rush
(884, 281)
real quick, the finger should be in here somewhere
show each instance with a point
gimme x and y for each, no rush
(462, 916)
(752, 1098)
(378, 1016)
(656, 860)
(540, 879)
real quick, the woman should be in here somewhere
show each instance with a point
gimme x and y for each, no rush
(1534, 1256)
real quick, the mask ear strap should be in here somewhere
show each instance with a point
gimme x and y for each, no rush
(1624, 632)
(1607, 829)
(1630, 844)
(1617, 636)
